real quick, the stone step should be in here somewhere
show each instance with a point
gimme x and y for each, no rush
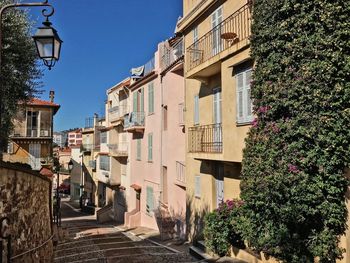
(101, 246)
(142, 258)
(199, 253)
(84, 241)
(111, 252)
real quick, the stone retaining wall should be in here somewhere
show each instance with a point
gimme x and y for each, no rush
(25, 198)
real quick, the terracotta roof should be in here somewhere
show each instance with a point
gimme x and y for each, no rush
(40, 102)
(46, 172)
(45, 103)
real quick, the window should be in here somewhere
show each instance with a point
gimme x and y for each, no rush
(197, 186)
(138, 150)
(181, 114)
(150, 98)
(32, 123)
(103, 137)
(150, 147)
(196, 51)
(149, 200)
(104, 162)
(243, 94)
(196, 110)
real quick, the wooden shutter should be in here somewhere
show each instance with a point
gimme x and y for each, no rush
(240, 97)
(196, 109)
(150, 147)
(151, 98)
(149, 200)
(248, 105)
(138, 150)
(142, 108)
(135, 101)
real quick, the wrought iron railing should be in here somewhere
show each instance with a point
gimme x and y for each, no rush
(205, 139)
(172, 54)
(89, 122)
(231, 31)
(134, 119)
(180, 172)
(117, 112)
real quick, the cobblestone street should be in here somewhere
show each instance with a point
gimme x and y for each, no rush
(88, 241)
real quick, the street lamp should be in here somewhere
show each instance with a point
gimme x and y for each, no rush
(46, 39)
(70, 166)
(48, 44)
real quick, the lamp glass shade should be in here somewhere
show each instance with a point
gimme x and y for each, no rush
(48, 44)
(70, 166)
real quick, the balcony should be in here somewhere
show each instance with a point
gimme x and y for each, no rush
(117, 113)
(32, 133)
(86, 147)
(118, 150)
(180, 173)
(134, 122)
(170, 55)
(89, 123)
(231, 35)
(205, 139)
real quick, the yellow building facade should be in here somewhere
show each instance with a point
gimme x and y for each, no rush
(218, 106)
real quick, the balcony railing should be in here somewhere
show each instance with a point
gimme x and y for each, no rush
(120, 149)
(180, 172)
(205, 139)
(149, 67)
(117, 112)
(172, 54)
(89, 123)
(134, 119)
(231, 31)
(32, 133)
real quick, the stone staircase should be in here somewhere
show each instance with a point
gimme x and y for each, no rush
(88, 241)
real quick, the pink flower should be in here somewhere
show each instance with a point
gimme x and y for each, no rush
(293, 168)
(255, 123)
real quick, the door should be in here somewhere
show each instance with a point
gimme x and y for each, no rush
(219, 175)
(216, 19)
(217, 129)
(34, 156)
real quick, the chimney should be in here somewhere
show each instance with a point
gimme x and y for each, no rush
(52, 95)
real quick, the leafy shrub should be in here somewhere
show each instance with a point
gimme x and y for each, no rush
(219, 231)
(293, 184)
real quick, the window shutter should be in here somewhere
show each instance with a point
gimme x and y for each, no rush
(239, 94)
(150, 147)
(135, 101)
(142, 109)
(196, 109)
(151, 98)
(249, 105)
(138, 150)
(197, 186)
(149, 200)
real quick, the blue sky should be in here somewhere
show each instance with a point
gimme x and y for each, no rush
(103, 40)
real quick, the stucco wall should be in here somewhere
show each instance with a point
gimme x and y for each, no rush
(26, 201)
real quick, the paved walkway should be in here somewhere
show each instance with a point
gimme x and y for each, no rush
(88, 241)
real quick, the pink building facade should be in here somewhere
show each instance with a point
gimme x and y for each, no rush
(157, 144)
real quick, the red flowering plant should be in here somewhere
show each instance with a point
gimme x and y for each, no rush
(219, 228)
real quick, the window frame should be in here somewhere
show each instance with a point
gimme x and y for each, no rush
(105, 165)
(242, 100)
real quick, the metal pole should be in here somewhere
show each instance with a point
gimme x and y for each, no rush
(2, 11)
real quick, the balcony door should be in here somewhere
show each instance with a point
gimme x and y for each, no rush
(217, 132)
(32, 123)
(216, 19)
(34, 156)
(219, 183)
